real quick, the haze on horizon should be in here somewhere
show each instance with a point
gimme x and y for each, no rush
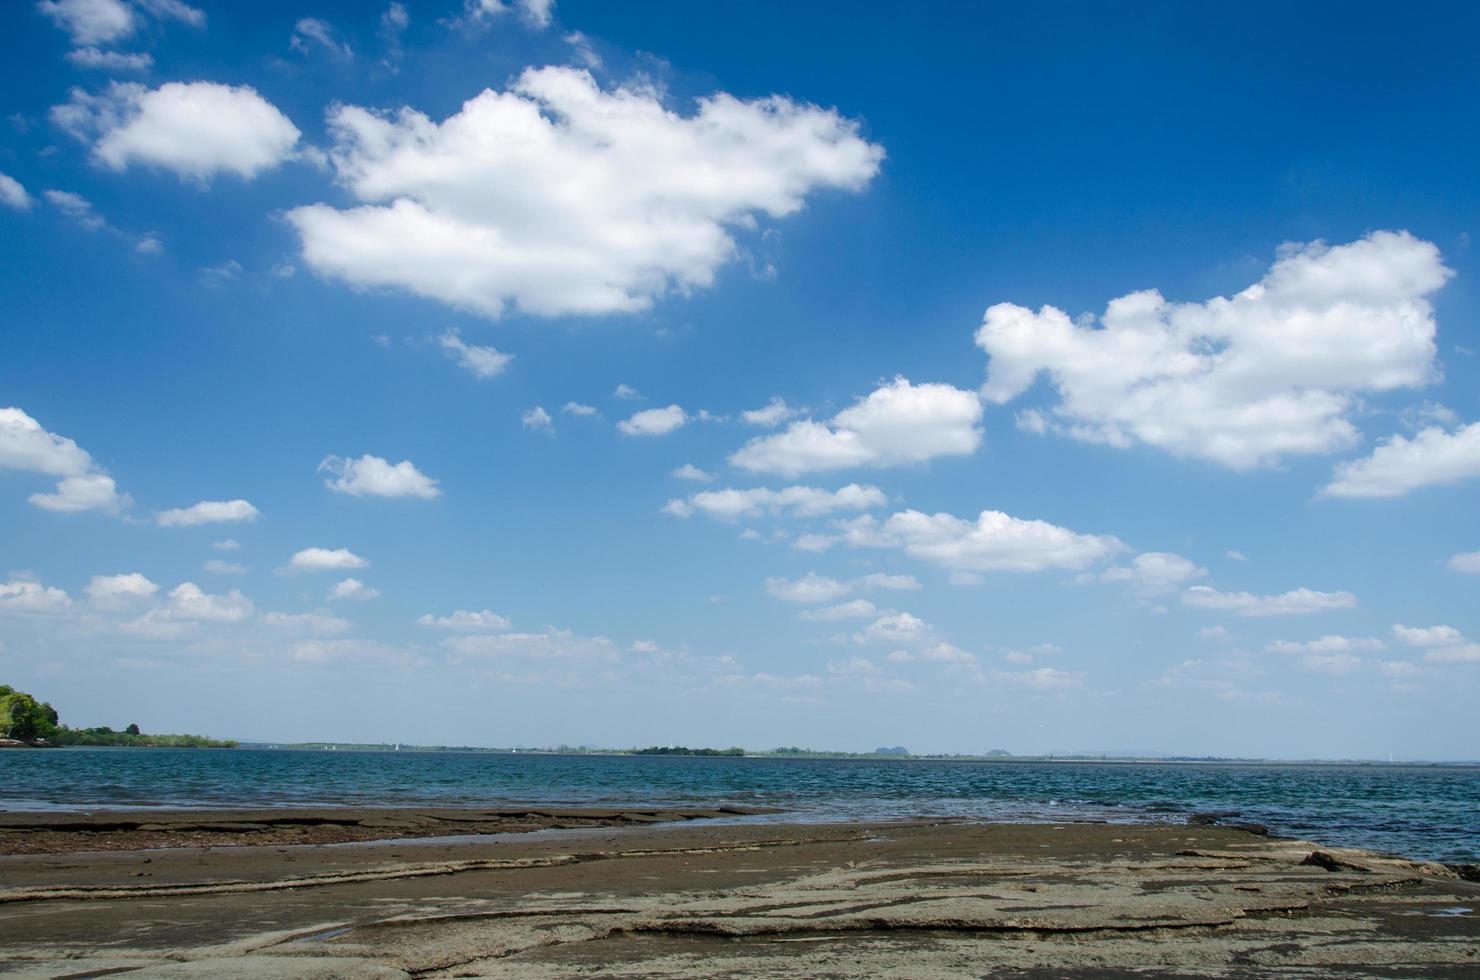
(506, 372)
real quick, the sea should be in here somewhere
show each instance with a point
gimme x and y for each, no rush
(1419, 811)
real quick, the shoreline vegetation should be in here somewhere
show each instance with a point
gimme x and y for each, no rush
(27, 723)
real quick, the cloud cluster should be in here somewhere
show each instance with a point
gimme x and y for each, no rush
(1296, 602)
(1441, 644)
(799, 501)
(465, 621)
(90, 22)
(195, 129)
(482, 361)
(1242, 381)
(371, 476)
(654, 421)
(1433, 457)
(560, 197)
(994, 542)
(323, 560)
(895, 424)
(81, 485)
(208, 512)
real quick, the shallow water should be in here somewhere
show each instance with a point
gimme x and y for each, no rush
(1430, 812)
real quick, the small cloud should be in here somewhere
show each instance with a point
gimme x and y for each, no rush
(483, 362)
(323, 559)
(689, 471)
(218, 567)
(626, 392)
(209, 512)
(537, 419)
(312, 32)
(1234, 555)
(576, 408)
(653, 422)
(371, 476)
(773, 414)
(352, 589)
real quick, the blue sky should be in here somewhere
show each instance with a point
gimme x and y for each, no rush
(436, 299)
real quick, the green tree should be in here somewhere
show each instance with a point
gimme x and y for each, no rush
(131, 730)
(23, 717)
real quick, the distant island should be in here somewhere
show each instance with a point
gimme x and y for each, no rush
(26, 722)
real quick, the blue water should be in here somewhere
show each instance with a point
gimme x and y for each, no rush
(1428, 812)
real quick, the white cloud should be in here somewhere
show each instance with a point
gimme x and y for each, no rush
(1234, 555)
(484, 362)
(775, 412)
(227, 544)
(896, 629)
(13, 195)
(466, 621)
(1462, 653)
(24, 595)
(1428, 636)
(25, 445)
(626, 392)
(118, 590)
(1329, 644)
(1041, 678)
(856, 609)
(994, 542)
(1441, 644)
(550, 645)
(689, 471)
(896, 424)
(218, 567)
(1468, 563)
(319, 624)
(1243, 381)
(77, 208)
(562, 198)
(93, 491)
(189, 602)
(576, 408)
(880, 580)
(324, 559)
(1293, 603)
(654, 421)
(196, 129)
(371, 476)
(538, 419)
(110, 60)
(731, 504)
(1217, 633)
(1434, 457)
(310, 31)
(1336, 664)
(809, 588)
(352, 588)
(477, 13)
(1155, 572)
(90, 21)
(581, 46)
(208, 512)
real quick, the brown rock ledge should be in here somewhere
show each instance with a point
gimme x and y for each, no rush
(754, 900)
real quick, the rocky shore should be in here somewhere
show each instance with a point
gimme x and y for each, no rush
(707, 899)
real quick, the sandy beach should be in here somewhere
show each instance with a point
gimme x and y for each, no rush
(662, 894)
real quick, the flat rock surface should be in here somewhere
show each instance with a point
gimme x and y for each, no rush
(704, 899)
(129, 830)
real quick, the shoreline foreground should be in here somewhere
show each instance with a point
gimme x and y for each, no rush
(621, 895)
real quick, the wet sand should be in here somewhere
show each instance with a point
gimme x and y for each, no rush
(699, 898)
